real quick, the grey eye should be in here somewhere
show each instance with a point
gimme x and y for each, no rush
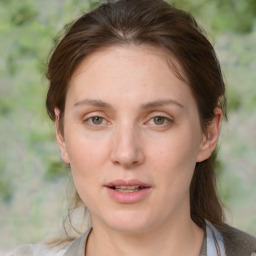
(97, 120)
(158, 120)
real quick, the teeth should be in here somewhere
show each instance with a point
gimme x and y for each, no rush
(127, 189)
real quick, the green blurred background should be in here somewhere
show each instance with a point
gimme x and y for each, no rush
(32, 178)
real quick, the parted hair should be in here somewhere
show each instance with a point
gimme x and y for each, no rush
(155, 23)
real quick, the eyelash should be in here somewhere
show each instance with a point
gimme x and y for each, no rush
(90, 120)
(166, 121)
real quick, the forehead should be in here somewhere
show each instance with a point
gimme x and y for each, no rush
(126, 53)
(130, 71)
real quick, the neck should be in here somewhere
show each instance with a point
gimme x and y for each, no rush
(173, 238)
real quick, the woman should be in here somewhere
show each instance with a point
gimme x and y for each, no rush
(137, 96)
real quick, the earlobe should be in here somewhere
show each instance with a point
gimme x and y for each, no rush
(210, 138)
(60, 138)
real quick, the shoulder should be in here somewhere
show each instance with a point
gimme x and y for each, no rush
(39, 249)
(75, 247)
(238, 242)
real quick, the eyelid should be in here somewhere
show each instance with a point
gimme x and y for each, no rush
(167, 117)
(91, 115)
(166, 120)
(90, 118)
(94, 114)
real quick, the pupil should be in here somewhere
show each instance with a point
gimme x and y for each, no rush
(97, 120)
(159, 120)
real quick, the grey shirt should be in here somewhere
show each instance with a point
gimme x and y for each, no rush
(236, 243)
(78, 246)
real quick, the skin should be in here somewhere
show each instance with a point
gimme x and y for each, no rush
(127, 116)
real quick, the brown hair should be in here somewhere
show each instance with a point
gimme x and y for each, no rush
(153, 22)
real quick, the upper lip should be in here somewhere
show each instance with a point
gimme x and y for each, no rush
(132, 182)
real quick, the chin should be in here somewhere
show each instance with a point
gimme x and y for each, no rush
(130, 228)
(130, 222)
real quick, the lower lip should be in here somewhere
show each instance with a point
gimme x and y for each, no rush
(128, 198)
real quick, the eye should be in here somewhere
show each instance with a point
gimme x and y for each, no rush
(159, 120)
(96, 120)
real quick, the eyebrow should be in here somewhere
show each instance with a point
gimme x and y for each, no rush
(160, 103)
(153, 104)
(95, 103)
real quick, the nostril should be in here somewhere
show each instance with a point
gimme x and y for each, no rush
(127, 153)
(116, 163)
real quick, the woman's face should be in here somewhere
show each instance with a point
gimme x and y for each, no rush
(132, 137)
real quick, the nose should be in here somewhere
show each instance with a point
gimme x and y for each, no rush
(127, 149)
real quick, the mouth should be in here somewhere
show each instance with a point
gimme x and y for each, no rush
(127, 189)
(127, 186)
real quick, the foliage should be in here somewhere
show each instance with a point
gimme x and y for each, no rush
(5, 186)
(54, 170)
(221, 16)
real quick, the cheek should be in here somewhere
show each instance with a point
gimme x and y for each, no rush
(87, 159)
(178, 149)
(173, 173)
(85, 149)
(173, 161)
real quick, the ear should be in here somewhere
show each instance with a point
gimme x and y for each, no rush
(211, 136)
(60, 137)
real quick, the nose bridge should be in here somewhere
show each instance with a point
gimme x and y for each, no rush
(127, 150)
